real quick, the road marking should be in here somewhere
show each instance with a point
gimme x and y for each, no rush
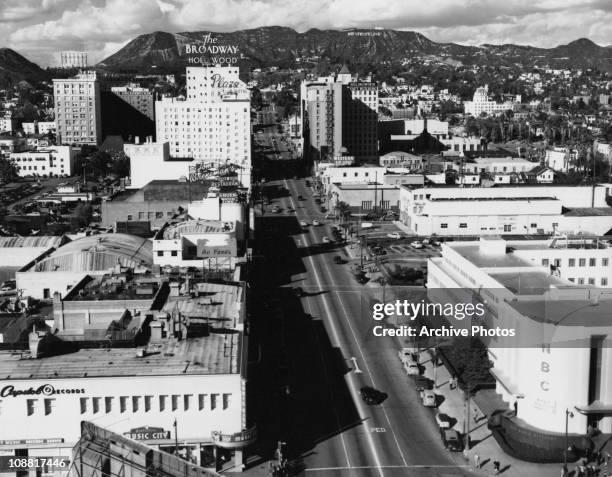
(349, 377)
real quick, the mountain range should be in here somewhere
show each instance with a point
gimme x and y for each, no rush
(281, 46)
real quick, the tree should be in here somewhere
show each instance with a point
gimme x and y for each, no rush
(120, 165)
(342, 209)
(8, 171)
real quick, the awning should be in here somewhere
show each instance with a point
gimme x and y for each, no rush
(596, 407)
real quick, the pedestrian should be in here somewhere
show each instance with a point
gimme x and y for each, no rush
(564, 470)
(515, 407)
(496, 466)
(453, 383)
(476, 461)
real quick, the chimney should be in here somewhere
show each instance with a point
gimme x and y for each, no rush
(137, 140)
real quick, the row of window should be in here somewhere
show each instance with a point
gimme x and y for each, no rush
(173, 402)
(591, 281)
(571, 262)
(150, 215)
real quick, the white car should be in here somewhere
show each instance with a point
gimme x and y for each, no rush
(326, 240)
(316, 223)
(412, 367)
(443, 421)
(416, 244)
(428, 398)
(394, 235)
(426, 241)
(303, 224)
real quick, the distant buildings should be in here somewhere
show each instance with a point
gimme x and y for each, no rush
(54, 161)
(212, 123)
(38, 127)
(481, 103)
(339, 117)
(77, 109)
(139, 98)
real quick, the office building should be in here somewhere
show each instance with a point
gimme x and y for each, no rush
(54, 161)
(339, 117)
(481, 103)
(77, 109)
(212, 124)
(139, 98)
(558, 359)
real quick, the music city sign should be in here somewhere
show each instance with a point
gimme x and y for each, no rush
(209, 51)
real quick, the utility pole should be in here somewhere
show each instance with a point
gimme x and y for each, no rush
(175, 437)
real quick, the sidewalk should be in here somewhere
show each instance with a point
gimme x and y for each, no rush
(482, 441)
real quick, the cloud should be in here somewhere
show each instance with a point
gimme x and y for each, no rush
(41, 28)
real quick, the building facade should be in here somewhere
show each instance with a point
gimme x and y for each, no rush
(77, 109)
(139, 98)
(55, 161)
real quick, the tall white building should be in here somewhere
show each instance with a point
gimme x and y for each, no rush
(482, 104)
(77, 109)
(55, 161)
(212, 124)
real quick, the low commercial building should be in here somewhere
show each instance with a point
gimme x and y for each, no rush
(364, 198)
(401, 159)
(172, 369)
(64, 267)
(558, 359)
(18, 251)
(55, 161)
(448, 211)
(196, 243)
(151, 161)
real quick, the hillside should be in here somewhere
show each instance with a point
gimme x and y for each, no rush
(15, 68)
(281, 46)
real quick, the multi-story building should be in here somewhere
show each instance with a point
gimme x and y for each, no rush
(77, 109)
(339, 117)
(55, 161)
(481, 103)
(38, 127)
(139, 98)
(557, 359)
(212, 123)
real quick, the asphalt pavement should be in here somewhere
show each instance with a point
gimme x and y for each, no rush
(348, 437)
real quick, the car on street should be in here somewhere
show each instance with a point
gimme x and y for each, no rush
(428, 398)
(411, 366)
(317, 200)
(316, 223)
(300, 197)
(372, 396)
(303, 223)
(329, 216)
(416, 244)
(338, 260)
(394, 235)
(426, 241)
(326, 240)
(451, 440)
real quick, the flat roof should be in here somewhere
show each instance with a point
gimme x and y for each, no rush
(177, 229)
(589, 212)
(532, 282)
(218, 353)
(489, 199)
(42, 241)
(482, 260)
(567, 312)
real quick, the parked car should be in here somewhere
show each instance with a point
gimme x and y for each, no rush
(316, 223)
(394, 235)
(428, 398)
(338, 260)
(300, 197)
(372, 396)
(426, 241)
(412, 367)
(451, 440)
(416, 244)
(317, 200)
(443, 420)
(326, 240)
(303, 223)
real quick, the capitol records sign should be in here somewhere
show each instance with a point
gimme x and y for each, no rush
(210, 51)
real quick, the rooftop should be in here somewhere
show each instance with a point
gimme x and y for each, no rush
(176, 230)
(166, 190)
(43, 241)
(589, 212)
(532, 282)
(567, 312)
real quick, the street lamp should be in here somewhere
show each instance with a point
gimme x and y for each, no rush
(568, 414)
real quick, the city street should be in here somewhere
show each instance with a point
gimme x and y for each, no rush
(338, 433)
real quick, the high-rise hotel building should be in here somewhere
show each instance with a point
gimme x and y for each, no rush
(340, 117)
(77, 109)
(212, 124)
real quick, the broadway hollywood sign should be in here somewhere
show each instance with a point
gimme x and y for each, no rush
(209, 51)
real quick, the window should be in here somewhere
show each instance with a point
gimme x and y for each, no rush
(174, 253)
(463, 225)
(31, 406)
(581, 281)
(123, 403)
(592, 262)
(545, 262)
(159, 215)
(533, 226)
(147, 403)
(186, 401)
(175, 399)
(95, 404)
(160, 253)
(572, 262)
(213, 401)
(108, 404)
(443, 226)
(582, 262)
(591, 281)
(508, 228)
(604, 282)
(83, 402)
(49, 405)
(557, 262)
(201, 401)
(572, 280)
(604, 262)
(162, 403)
(226, 400)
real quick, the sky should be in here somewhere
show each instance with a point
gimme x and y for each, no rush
(39, 29)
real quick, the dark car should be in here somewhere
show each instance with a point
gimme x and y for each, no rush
(317, 200)
(338, 260)
(451, 440)
(300, 197)
(372, 396)
(422, 383)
